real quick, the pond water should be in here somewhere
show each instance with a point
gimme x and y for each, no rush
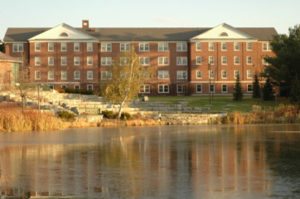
(184, 162)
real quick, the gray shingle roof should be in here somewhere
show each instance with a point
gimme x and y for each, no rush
(138, 34)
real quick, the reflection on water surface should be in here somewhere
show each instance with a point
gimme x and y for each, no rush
(157, 162)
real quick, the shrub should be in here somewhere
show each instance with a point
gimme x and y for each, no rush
(109, 114)
(125, 116)
(66, 115)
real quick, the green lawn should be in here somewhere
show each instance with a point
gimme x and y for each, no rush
(218, 103)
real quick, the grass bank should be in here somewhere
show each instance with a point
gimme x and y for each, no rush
(13, 119)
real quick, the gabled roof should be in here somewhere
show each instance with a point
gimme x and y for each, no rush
(137, 34)
(62, 32)
(223, 32)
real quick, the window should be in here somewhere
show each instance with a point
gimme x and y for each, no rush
(266, 46)
(50, 75)
(50, 47)
(236, 73)
(211, 74)
(63, 61)
(76, 75)
(224, 34)
(37, 75)
(249, 74)
(50, 61)
(249, 46)
(145, 61)
(145, 88)
(163, 74)
(224, 46)
(236, 60)
(199, 60)
(163, 46)
(198, 74)
(106, 47)
(224, 88)
(181, 46)
(163, 88)
(90, 75)
(198, 88)
(163, 61)
(89, 47)
(63, 47)
(124, 46)
(63, 75)
(106, 61)
(76, 47)
(198, 46)
(18, 47)
(249, 60)
(106, 75)
(76, 61)
(144, 47)
(249, 88)
(211, 60)
(211, 88)
(181, 88)
(223, 74)
(124, 61)
(237, 46)
(90, 87)
(224, 60)
(37, 61)
(211, 46)
(181, 61)
(181, 75)
(89, 60)
(37, 47)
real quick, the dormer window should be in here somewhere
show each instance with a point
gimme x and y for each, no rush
(224, 34)
(64, 34)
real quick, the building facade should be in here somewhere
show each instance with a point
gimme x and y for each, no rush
(9, 67)
(186, 61)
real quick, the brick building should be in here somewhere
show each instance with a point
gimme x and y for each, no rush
(187, 61)
(9, 67)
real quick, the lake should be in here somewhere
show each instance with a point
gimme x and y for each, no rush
(169, 162)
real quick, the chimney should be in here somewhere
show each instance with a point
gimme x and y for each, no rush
(85, 24)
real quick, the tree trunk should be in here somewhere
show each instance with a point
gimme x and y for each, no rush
(120, 109)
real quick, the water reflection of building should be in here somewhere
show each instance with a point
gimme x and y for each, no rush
(138, 166)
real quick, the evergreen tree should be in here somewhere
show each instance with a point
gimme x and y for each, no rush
(268, 94)
(256, 87)
(295, 90)
(237, 93)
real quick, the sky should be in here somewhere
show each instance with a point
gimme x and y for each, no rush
(280, 14)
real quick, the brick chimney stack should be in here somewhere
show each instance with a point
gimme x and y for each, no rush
(85, 24)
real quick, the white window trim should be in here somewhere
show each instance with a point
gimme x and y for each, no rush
(62, 44)
(163, 92)
(211, 60)
(37, 61)
(177, 86)
(49, 77)
(108, 75)
(163, 49)
(222, 88)
(76, 77)
(106, 61)
(146, 61)
(144, 89)
(49, 45)
(247, 61)
(89, 58)
(35, 75)
(196, 46)
(181, 75)
(196, 90)
(181, 62)
(62, 77)
(222, 60)
(235, 73)
(199, 63)
(75, 45)
(144, 44)
(104, 47)
(211, 44)
(89, 47)
(181, 46)
(37, 47)
(49, 63)
(61, 60)
(163, 61)
(214, 86)
(163, 74)
(125, 44)
(222, 77)
(197, 74)
(234, 62)
(247, 46)
(90, 75)
(249, 74)
(268, 47)
(226, 44)
(88, 85)
(17, 47)
(236, 44)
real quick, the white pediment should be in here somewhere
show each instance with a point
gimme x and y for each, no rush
(62, 32)
(223, 32)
